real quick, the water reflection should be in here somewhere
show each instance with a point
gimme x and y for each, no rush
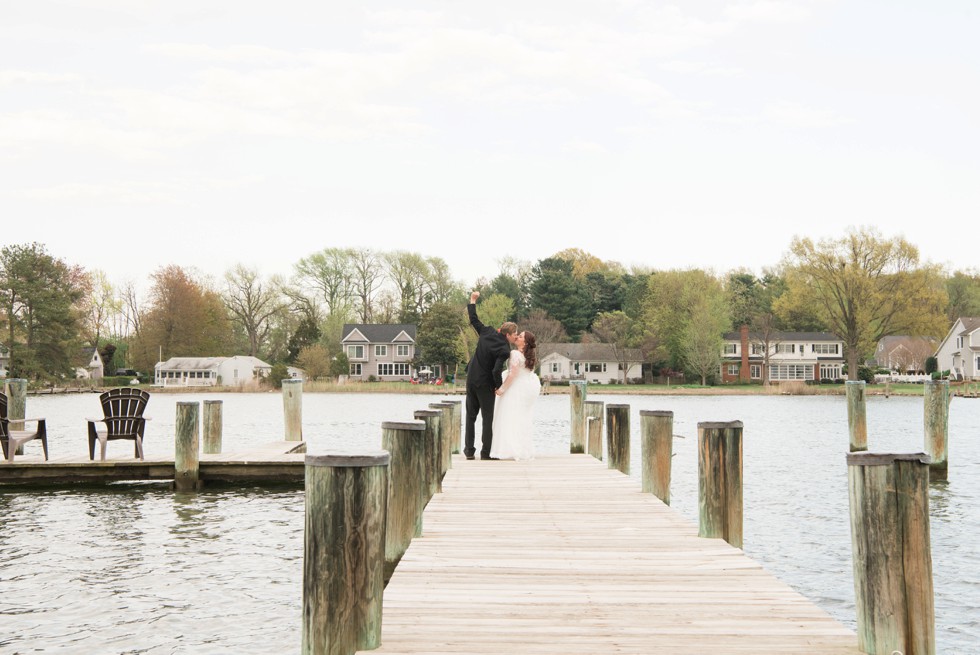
(140, 569)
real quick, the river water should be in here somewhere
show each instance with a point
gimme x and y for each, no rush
(135, 568)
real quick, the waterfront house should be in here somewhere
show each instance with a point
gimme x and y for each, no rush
(4, 361)
(593, 362)
(789, 356)
(384, 351)
(88, 364)
(904, 355)
(239, 370)
(959, 351)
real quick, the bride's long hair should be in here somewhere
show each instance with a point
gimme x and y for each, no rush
(530, 350)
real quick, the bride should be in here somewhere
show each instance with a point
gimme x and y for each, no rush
(513, 411)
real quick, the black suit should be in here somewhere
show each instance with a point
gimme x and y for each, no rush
(483, 377)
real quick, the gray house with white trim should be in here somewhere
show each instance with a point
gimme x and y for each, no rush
(385, 351)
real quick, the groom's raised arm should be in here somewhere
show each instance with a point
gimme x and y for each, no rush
(471, 309)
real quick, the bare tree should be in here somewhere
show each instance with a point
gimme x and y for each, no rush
(544, 328)
(99, 306)
(367, 276)
(619, 331)
(329, 274)
(251, 304)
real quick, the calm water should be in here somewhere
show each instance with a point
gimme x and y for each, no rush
(133, 568)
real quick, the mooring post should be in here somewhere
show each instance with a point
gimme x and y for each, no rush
(430, 439)
(594, 409)
(936, 422)
(857, 420)
(212, 422)
(405, 442)
(292, 405)
(656, 452)
(187, 446)
(17, 406)
(343, 552)
(445, 438)
(618, 437)
(577, 392)
(891, 553)
(720, 481)
(457, 429)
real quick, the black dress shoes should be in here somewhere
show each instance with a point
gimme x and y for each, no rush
(470, 457)
(488, 457)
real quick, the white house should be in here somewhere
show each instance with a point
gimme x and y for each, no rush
(791, 356)
(959, 351)
(210, 371)
(88, 364)
(593, 362)
(384, 351)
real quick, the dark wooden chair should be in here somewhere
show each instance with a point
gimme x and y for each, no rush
(12, 440)
(123, 419)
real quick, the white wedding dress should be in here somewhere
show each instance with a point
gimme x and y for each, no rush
(513, 411)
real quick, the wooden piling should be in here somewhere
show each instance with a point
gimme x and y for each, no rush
(936, 423)
(720, 481)
(292, 406)
(577, 392)
(857, 420)
(594, 409)
(16, 406)
(405, 443)
(433, 454)
(187, 448)
(445, 437)
(343, 552)
(891, 552)
(211, 421)
(618, 437)
(456, 430)
(656, 452)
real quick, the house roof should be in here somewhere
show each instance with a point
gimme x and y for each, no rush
(970, 324)
(888, 344)
(586, 352)
(380, 332)
(84, 356)
(205, 363)
(786, 336)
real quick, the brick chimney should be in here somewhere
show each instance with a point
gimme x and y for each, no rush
(743, 371)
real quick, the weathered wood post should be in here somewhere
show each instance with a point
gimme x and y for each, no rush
(445, 438)
(17, 406)
(187, 447)
(656, 452)
(457, 428)
(857, 420)
(889, 502)
(618, 437)
(405, 442)
(292, 405)
(343, 552)
(577, 393)
(433, 484)
(936, 421)
(594, 409)
(720, 481)
(212, 422)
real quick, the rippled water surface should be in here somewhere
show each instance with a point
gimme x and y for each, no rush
(135, 568)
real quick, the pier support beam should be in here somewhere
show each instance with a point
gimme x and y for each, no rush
(212, 422)
(577, 392)
(292, 405)
(343, 552)
(16, 406)
(891, 553)
(720, 481)
(445, 438)
(936, 423)
(618, 437)
(656, 452)
(405, 443)
(430, 441)
(857, 419)
(594, 409)
(187, 446)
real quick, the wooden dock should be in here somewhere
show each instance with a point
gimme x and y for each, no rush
(561, 555)
(280, 461)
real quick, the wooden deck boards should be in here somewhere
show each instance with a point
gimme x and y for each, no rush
(562, 556)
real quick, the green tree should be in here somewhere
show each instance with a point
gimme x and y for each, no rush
(866, 287)
(339, 364)
(707, 322)
(307, 333)
(668, 312)
(963, 288)
(621, 332)
(557, 291)
(438, 340)
(314, 360)
(40, 296)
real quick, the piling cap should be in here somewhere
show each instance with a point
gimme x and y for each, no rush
(719, 425)
(402, 425)
(865, 458)
(349, 458)
(657, 412)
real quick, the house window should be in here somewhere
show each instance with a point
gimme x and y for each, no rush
(595, 367)
(830, 372)
(791, 372)
(785, 348)
(758, 349)
(825, 348)
(381, 351)
(731, 348)
(401, 351)
(392, 369)
(733, 370)
(959, 342)
(755, 372)
(556, 367)
(355, 352)
(355, 369)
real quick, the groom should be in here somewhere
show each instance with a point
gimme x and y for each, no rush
(483, 377)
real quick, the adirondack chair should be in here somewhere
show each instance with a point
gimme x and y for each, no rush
(123, 419)
(11, 440)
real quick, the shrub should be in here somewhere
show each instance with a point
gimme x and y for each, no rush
(932, 365)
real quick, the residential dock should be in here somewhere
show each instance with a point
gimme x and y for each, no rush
(561, 555)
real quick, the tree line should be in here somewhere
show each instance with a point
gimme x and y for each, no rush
(861, 286)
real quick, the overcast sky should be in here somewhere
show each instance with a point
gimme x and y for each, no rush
(136, 134)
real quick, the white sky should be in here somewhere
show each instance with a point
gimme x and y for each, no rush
(140, 133)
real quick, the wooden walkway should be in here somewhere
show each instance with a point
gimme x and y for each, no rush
(562, 555)
(279, 461)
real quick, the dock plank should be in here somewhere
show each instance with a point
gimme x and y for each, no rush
(562, 555)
